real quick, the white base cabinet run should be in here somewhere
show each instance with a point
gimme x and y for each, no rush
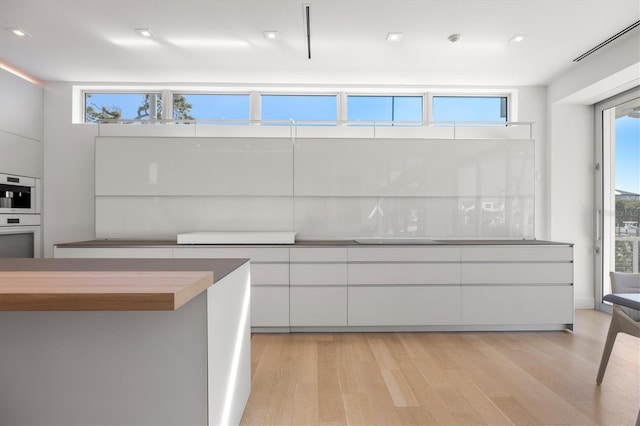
(348, 287)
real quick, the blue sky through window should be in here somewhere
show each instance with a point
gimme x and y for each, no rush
(384, 108)
(217, 106)
(299, 107)
(628, 154)
(469, 108)
(320, 107)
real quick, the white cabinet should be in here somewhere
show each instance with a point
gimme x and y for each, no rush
(404, 286)
(517, 305)
(318, 287)
(517, 286)
(394, 305)
(269, 280)
(113, 252)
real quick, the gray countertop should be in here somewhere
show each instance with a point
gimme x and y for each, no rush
(121, 243)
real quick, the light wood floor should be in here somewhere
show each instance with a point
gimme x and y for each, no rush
(486, 378)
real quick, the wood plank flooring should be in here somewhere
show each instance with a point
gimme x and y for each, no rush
(463, 378)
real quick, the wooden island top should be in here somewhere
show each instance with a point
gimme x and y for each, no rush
(107, 284)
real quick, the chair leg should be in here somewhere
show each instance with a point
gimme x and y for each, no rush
(608, 347)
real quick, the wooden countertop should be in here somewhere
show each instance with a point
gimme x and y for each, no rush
(107, 284)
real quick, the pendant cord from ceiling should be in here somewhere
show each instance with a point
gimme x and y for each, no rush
(307, 15)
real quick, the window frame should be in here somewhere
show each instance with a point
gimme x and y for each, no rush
(118, 91)
(260, 94)
(511, 110)
(172, 93)
(422, 95)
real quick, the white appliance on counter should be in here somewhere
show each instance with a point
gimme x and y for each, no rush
(20, 221)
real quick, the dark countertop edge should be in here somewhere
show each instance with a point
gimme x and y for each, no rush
(122, 243)
(220, 267)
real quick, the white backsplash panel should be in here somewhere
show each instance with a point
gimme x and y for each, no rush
(414, 167)
(193, 166)
(165, 217)
(321, 188)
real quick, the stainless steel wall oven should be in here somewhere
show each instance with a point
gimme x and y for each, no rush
(20, 234)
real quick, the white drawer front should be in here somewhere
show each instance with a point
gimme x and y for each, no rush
(269, 306)
(318, 306)
(399, 306)
(404, 254)
(319, 274)
(404, 273)
(504, 305)
(257, 255)
(113, 253)
(269, 274)
(517, 273)
(318, 254)
(517, 254)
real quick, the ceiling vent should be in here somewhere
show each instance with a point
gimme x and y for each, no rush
(607, 41)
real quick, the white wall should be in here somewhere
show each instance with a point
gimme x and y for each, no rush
(571, 150)
(68, 171)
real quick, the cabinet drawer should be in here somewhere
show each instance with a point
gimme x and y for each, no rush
(114, 253)
(256, 255)
(319, 274)
(315, 254)
(404, 273)
(517, 273)
(404, 306)
(518, 254)
(504, 305)
(269, 274)
(269, 306)
(318, 306)
(404, 254)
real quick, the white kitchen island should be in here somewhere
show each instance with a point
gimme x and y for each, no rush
(124, 341)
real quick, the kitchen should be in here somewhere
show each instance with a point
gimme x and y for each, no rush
(40, 128)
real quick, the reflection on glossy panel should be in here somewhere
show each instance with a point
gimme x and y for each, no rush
(193, 166)
(354, 217)
(413, 167)
(165, 217)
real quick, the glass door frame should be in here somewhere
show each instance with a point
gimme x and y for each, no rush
(604, 219)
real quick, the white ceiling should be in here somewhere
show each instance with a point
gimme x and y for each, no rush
(221, 41)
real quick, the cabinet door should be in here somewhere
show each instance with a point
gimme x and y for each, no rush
(517, 273)
(318, 274)
(404, 273)
(256, 255)
(269, 306)
(318, 306)
(506, 305)
(404, 305)
(113, 253)
(517, 254)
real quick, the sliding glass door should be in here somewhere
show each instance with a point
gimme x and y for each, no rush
(617, 189)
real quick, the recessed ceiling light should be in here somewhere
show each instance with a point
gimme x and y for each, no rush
(144, 32)
(394, 36)
(271, 35)
(518, 38)
(18, 32)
